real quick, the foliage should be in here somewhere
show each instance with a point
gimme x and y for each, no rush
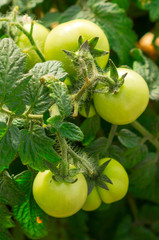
(33, 137)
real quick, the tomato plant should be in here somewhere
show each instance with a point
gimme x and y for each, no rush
(126, 105)
(65, 60)
(59, 199)
(65, 37)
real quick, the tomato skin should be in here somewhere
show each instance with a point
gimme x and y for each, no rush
(93, 201)
(91, 113)
(59, 199)
(117, 174)
(39, 35)
(128, 104)
(65, 36)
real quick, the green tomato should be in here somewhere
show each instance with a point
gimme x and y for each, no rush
(65, 36)
(59, 199)
(91, 113)
(93, 201)
(39, 35)
(126, 105)
(117, 174)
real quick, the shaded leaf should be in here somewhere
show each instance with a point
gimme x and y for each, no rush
(8, 145)
(128, 138)
(148, 70)
(26, 4)
(10, 193)
(36, 146)
(90, 127)
(12, 67)
(31, 218)
(37, 95)
(70, 131)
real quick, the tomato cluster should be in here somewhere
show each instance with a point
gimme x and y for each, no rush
(60, 198)
(117, 189)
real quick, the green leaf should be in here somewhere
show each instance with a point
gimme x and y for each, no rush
(5, 217)
(128, 138)
(8, 145)
(10, 193)
(36, 146)
(114, 22)
(31, 218)
(133, 156)
(25, 5)
(50, 18)
(97, 147)
(123, 231)
(141, 232)
(3, 129)
(69, 14)
(37, 95)
(148, 70)
(70, 131)
(122, 3)
(90, 127)
(152, 6)
(5, 235)
(59, 93)
(12, 80)
(55, 121)
(144, 179)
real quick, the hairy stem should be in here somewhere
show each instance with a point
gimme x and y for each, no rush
(29, 116)
(64, 147)
(83, 161)
(31, 39)
(28, 34)
(146, 134)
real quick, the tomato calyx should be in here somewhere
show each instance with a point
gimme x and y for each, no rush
(113, 82)
(99, 179)
(95, 52)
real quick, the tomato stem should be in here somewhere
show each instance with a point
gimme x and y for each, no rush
(31, 39)
(29, 36)
(133, 207)
(146, 134)
(83, 161)
(23, 116)
(111, 136)
(64, 148)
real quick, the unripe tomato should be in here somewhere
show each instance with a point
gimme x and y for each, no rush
(39, 35)
(93, 201)
(59, 199)
(65, 36)
(91, 113)
(126, 105)
(117, 174)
